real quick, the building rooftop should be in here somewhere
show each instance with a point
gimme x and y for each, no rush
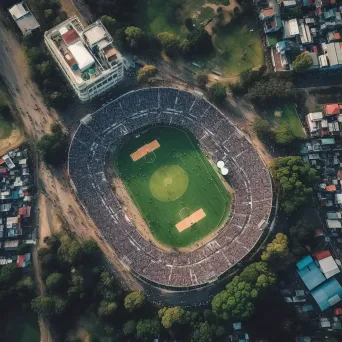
(332, 109)
(327, 294)
(86, 52)
(23, 18)
(311, 275)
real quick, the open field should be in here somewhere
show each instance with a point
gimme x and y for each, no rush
(288, 116)
(237, 47)
(171, 183)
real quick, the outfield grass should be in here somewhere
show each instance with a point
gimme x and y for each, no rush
(175, 176)
(21, 327)
(288, 116)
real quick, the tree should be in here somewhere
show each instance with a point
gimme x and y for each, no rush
(48, 13)
(171, 316)
(295, 180)
(302, 62)
(147, 329)
(134, 300)
(277, 249)
(217, 92)
(283, 135)
(9, 275)
(59, 305)
(263, 130)
(70, 251)
(55, 282)
(197, 42)
(169, 43)
(202, 79)
(134, 36)
(129, 328)
(146, 73)
(76, 290)
(44, 306)
(109, 23)
(237, 300)
(54, 146)
(90, 249)
(220, 331)
(203, 333)
(189, 24)
(107, 309)
(302, 231)
(270, 88)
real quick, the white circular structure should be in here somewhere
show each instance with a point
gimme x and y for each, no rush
(224, 171)
(220, 164)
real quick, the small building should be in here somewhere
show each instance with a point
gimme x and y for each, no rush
(327, 294)
(23, 17)
(327, 263)
(291, 28)
(11, 245)
(310, 273)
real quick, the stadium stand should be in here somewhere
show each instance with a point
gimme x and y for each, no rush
(218, 137)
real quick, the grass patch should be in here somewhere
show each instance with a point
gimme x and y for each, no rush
(238, 48)
(288, 116)
(6, 128)
(175, 176)
(22, 326)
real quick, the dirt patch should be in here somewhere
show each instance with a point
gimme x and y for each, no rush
(13, 141)
(49, 222)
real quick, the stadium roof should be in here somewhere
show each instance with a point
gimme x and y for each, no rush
(327, 294)
(311, 275)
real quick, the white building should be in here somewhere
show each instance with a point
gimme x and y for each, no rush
(24, 18)
(86, 56)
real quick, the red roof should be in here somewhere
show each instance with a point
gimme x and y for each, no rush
(322, 255)
(70, 36)
(318, 232)
(22, 211)
(2, 161)
(331, 109)
(337, 35)
(20, 260)
(26, 193)
(338, 311)
(330, 188)
(268, 12)
(28, 211)
(3, 170)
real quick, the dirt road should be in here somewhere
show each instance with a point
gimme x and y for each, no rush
(35, 116)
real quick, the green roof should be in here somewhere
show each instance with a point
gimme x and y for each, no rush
(328, 141)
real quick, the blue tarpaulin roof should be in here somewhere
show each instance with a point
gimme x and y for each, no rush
(311, 275)
(304, 262)
(327, 294)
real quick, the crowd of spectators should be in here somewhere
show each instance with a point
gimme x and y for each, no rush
(219, 139)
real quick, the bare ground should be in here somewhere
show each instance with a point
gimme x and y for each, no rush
(13, 141)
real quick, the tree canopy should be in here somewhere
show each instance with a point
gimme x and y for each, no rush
(237, 300)
(197, 42)
(217, 92)
(277, 249)
(134, 300)
(54, 146)
(109, 23)
(203, 333)
(263, 130)
(295, 180)
(148, 329)
(169, 42)
(146, 73)
(302, 62)
(202, 79)
(171, 316)
(134, 36)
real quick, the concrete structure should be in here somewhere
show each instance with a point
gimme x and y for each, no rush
(24, 18)
(86, 56)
